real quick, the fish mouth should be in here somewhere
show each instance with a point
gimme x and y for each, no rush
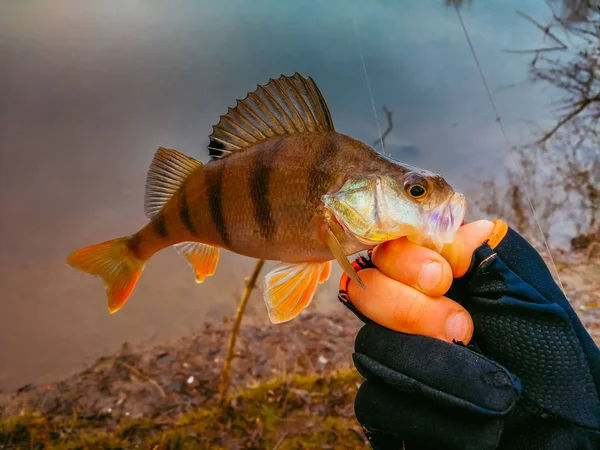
(442, 223)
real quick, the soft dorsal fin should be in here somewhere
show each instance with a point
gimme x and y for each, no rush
(168, 170)
(288, 105)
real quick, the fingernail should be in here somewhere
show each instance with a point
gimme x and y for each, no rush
(430, 275)
(458, 327)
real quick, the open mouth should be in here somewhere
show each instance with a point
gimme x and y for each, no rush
(442, 223)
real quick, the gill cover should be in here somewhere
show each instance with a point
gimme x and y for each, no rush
(374, 210)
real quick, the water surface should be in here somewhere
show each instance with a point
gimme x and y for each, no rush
(90, 89)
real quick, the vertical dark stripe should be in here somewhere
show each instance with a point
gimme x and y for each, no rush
(321, 173)
(133, 244)
(184, 209)
(214, 182)
(259, 190)
(159, 225)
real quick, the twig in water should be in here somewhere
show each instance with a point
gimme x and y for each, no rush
(142, 376)
(250, 285)
(381, 140)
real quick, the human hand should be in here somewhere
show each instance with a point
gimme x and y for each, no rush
(406, 291)
(529, 378)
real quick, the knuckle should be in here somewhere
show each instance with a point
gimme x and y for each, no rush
(410, 311)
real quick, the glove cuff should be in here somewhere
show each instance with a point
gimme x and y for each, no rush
(498, 233)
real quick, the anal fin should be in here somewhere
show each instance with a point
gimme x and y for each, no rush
(202, 257)
(326, 272)
(289, 288)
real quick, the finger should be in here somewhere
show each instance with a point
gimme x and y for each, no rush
(402, 308)
(415, 266)
(467, 239)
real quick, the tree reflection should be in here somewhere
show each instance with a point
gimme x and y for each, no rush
(571, 10)
(560, 171)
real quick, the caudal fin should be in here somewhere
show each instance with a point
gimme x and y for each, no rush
(115, 263)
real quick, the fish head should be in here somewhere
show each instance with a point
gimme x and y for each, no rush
(443, 213)
(416, 204)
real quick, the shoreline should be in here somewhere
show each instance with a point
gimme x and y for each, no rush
(158, 390)
(167, 378)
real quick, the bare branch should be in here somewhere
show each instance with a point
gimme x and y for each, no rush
(381, 140)
(575, 11)
(567, 118)
(575, 71)
(545, 29)
(250, 285)
(534, 50)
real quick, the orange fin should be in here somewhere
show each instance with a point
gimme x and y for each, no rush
(289, 288)
(115, 263)
(202, 257)
(326, 272)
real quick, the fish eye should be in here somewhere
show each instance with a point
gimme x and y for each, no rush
(416, 190)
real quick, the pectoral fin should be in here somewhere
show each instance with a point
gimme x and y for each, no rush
(341, 258)
(289, 288)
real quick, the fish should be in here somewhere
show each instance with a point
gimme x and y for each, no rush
(281, 185)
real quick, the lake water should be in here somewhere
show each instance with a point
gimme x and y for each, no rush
(90, 89)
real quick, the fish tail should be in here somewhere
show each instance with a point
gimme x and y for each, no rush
(116, 262)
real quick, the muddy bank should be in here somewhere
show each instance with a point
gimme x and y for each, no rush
(163, 380)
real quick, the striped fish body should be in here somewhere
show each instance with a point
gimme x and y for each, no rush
(265, 202)
(282, 185)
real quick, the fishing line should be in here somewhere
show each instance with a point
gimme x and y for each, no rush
(362, 60)
(508, 143)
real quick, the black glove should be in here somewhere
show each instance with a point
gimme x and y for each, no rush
(529, 379)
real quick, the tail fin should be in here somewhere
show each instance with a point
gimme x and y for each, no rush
(115, 263)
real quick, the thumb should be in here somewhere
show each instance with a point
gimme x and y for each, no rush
(467, 239)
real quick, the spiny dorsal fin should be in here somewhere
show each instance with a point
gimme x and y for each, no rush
(168, 170)
(288, 105)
